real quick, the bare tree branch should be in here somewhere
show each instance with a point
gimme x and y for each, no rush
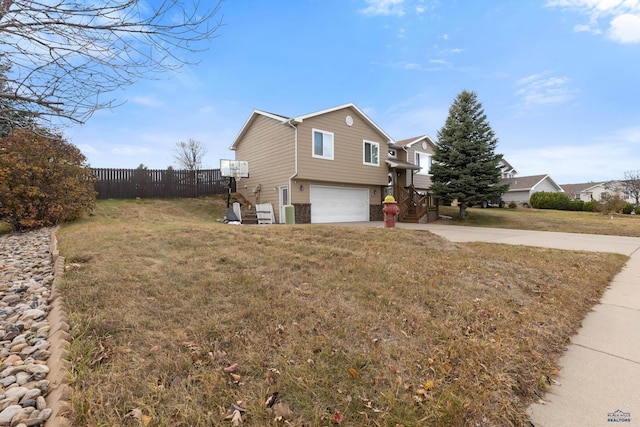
(59, 58)
(189, 154)
(631, 184)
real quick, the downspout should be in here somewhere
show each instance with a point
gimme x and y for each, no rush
(295, 154)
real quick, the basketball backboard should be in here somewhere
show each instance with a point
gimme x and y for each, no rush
(235, 168)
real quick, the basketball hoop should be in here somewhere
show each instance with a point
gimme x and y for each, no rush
(235, 173)
(233, 170)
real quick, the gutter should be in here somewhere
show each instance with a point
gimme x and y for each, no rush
(295, 148)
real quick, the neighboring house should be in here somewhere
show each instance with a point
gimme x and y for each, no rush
(593, 191)
(506, 170)
(521, 188)
(334, 165)
(584, 191)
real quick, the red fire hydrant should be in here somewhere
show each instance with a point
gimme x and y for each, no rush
(390, 210)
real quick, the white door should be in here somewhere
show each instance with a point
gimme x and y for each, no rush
(338, 204)
(284, 200)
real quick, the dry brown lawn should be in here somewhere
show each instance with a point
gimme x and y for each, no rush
(548, 220)
(356, 326)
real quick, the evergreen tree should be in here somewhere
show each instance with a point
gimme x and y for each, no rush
(465, 165)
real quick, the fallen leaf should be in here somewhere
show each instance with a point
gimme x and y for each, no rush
(230, 368)
(354, 373)
(135, 413)
(394, 370)
(271, 400)
(146, 420)
(236, 420)
(428, 384)
(337, 418)
(236, 377)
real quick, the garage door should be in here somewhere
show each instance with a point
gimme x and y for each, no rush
(339, 204)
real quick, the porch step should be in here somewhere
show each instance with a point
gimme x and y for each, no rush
(411, 218)
(251, 217)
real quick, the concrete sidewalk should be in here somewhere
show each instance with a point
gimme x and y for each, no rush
(599, 384)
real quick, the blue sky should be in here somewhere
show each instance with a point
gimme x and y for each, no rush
(559, 80)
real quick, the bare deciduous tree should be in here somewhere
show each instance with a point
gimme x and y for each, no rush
(631, 184)
(189, 154)
(58, 58)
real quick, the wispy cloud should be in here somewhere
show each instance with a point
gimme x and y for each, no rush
(622, 16)
(147, 101)
(435, 65)
(566, 163)
(384, 7)
(129, 150)
(542, 89)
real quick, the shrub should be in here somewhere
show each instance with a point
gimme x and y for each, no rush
(44, 180)
(611, 203)
(637, 210)
(589, 206)
(627, 208)
(576, 205)
(513, 205)
(549, 200)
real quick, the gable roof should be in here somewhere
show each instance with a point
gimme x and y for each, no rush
(573, 189)
(251, 119)
(351, 105)
(299, 119)
(506, 166)
(405, 143)
(527, 182)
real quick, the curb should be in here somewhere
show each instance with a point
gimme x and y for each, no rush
(59, 396)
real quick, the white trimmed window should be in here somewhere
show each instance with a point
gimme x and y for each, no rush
(424, 161)
(370, 154)
(322, 144)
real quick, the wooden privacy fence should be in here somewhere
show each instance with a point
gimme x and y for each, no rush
(160, 184)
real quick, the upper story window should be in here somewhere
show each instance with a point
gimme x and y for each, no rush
(322, 144)
(424, 161)
(370, 155)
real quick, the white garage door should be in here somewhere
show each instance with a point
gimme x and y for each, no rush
(339, 204)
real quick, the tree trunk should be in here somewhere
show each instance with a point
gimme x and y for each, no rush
(463, 210)
(4, 7)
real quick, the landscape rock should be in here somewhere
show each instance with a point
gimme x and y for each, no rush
(26, 277)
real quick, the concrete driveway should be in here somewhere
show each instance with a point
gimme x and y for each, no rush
(599, 384)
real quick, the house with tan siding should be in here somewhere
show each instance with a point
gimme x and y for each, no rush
(334, 165)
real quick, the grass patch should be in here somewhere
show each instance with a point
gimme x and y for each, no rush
(547, 220)
(5, 228)
(384, 327)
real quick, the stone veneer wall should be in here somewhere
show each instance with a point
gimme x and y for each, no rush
(303, 213)
(375, 213)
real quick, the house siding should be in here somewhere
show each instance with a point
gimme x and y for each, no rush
(545, 186)
(347, 167)
(266, 143)
(420, 181)
(516, 196)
